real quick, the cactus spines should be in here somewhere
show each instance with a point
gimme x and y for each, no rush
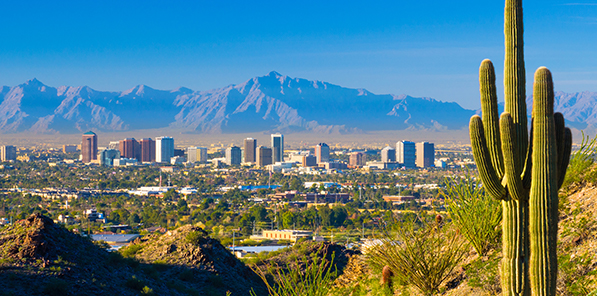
(525, 174)
(543, 200)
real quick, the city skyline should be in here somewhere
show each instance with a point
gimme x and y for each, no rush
(429, 48)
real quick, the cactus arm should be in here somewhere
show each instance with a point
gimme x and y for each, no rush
(511, 157)
(489, 107)
(528, 165)
(482, 159)
(565, 159)
(543, 197)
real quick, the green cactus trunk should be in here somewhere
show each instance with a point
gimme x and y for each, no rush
(525, 175)
(544, 189)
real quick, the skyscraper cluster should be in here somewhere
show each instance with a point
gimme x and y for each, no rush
(412, 155)
(144, 150)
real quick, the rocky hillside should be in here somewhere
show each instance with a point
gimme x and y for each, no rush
(38, 257)
(201, 263)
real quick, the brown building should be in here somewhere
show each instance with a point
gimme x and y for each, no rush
(264, 156)
(357, 159)
(147, 147)
(129, 148)
(250, 150)
(327, 198)
(309, 161)
(89, 147)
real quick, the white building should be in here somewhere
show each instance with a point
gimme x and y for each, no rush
(197, 154)
(277, 148)
(164, 149)
(406, 153)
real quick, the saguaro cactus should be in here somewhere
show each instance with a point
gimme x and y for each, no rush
(524, 178)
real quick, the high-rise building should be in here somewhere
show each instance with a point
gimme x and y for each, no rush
(107, 157)
(233, 155)
(129, 148)
(8, 153)
(357, 159)
(425, 154)
(277, 148)
(406, 153)
(322, 152)
(250, 150)
(89, 147)
(147, 147)
(264, 156)
(164, 149)
(388, 154)
(196, 154)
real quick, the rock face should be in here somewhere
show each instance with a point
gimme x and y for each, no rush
(200, 261)
(269, 103)
(38, 257)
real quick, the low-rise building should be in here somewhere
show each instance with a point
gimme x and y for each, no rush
(286, 234)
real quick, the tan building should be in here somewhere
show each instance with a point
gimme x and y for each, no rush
(291, 235)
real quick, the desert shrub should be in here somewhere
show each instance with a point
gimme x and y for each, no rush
(483, 272)
(423, 257)
(316, 279)
(134, 283)
(194, 237)
(581, 160)
(160, 265)
(147, 291)
(186, 275)
(56, 287)
(476, 214)
(131, 250)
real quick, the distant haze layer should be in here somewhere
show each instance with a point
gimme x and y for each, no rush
(261, 105)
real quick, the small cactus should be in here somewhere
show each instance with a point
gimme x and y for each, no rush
(386, 277)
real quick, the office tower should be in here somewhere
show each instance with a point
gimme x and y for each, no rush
(250, 150)
(107, 157)
(147, 147)
(357, 159)
(164, 149)
(196, 154)
(129, 148)
(425, 154)
(309, 160)
(89, 147)
(233, 155)
(388, 154)
(277, 148)
(69, 148)
(264, 156)
(406, 153)
(322, 152)
(8, 153)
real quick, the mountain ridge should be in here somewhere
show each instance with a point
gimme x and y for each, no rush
(269, 103)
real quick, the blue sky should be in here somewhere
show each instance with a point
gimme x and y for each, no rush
(420, 48)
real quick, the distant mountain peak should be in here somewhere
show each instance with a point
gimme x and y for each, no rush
(34, 82)
(274, 74)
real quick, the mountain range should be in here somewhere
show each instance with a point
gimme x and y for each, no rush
(270, 103)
